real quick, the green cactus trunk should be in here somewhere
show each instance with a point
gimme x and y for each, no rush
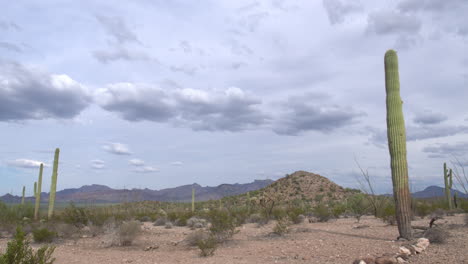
(193, 200)
(53, 185)
(248, 202)
(35, 188)
(24, 192)
(396, 136)
(448, 185)
(38, 193)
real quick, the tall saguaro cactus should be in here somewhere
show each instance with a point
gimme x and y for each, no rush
(22, 198)
(38, 193)
(448, 185)
(53, 185)
(396, 136)
(193, 199)
(35, 188)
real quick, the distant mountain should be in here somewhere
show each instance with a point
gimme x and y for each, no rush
(436, 191)
(103, 194)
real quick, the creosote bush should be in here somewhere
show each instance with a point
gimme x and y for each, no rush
(43, 235)
(223, 224)
(20, 252)
(207, 246)
(128, 231)
(193, 238)
(436, 235)
(282, 226)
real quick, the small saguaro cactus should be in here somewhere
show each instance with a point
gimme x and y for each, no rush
(22, 198)
(53, 185)
(448, 185)
(35, 188)
(396, 136)
(193, 199)
(38, 193)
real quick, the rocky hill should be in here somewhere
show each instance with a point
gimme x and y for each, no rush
(305, 186)
(104, 194)
(436, 191)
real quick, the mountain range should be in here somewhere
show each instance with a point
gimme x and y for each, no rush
(103, 194)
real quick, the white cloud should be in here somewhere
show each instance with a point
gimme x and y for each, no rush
(145, 169)
(98, 164)
(26, 163)
(117, 148)
(136, 162)
(177, 163)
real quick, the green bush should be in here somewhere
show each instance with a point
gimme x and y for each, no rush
(296, 215)
(43, 235)
(20, 252)
(223, 224)
(282, 226)
(128, 231)
(75, 216)
(322, 213)
(207, 246)
(358, 205)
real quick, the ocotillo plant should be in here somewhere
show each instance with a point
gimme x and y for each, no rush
(38, 193)
(448, 185)
(53, 185)
(193, 199)
(24, 191)
(396, 136)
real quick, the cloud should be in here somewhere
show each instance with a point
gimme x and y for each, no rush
(98, 164)
(429, 118)
(117, 148)
(11, 47)
(413, 133)
(145, 169)
(445, 149)
(7, 25)
(338, 10)
(28, 93)
(177, 163)
(228, 110)
(302, 115)
(136, 162)
(121, 53)
(391, 22)
(115, 26)
(187, 69)
(429, 5)
(26, 163)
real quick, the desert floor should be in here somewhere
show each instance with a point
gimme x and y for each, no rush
(338, 241)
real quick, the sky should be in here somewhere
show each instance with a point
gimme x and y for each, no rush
(158, 93)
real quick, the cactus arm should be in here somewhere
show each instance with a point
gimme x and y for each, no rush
(53, 185)
(38, 193)
(193, 200)
(22, 198)
(396, 135)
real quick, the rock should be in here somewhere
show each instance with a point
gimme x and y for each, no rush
(386, 260)
(417, 249)
(150, 248)
(401, 260)
(366, 260)
(404, 251)
(423, 243)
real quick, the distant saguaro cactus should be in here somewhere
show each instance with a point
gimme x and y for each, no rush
(53, 185)
(396, 136)
(38, 193)
(24, 191)
(193, 199)
(448, 185)
(35, 188)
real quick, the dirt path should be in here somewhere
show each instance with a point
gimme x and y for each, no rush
(334, 242)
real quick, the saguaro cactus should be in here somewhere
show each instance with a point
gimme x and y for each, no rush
(193, 199)
(22, 198)
(396, 136)
(38, 193)
(448, 185)
(53, 185)
(35, 188)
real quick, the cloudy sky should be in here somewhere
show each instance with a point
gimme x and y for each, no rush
(160, 93)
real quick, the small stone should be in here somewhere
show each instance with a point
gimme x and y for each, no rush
(404, 251)
(401, 260)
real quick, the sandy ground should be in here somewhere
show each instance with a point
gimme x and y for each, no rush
(335, 242)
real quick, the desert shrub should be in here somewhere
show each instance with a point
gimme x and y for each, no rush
(387, 214)
(207, 246)
(422, 209)
(66, 231)
(466, 219)
(10, 215)
(282, 226)
(358, 205)
(128, 231)
(436, 235)
(160, 221)
(20, 252)
(168, 225)
(257, 218)
(278, 213)
(193, 238)
(179, 218)
(223, 224)
(322, 213)
(144, 218)
(75, 216)
(338, 209)
(296, 215)
(195, 222)
(42, 235)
